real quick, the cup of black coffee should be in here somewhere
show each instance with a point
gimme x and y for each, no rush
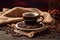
(30, 17)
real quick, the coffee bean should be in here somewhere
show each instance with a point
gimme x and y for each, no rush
(41, 37)
(14, 35)
(49, 36)
(0, 28)
(18, 35)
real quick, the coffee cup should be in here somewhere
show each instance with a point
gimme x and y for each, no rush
(31, 17)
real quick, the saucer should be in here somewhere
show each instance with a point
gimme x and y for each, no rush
(24, 29)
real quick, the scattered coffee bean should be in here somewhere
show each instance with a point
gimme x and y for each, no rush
(49, 36)
(41, 37)
(14, 35)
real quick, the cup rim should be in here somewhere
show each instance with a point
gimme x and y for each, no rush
(30, 14)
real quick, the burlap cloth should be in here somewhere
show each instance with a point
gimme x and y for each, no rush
(15, 15)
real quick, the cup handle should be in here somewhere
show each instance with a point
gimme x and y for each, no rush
(40, 19)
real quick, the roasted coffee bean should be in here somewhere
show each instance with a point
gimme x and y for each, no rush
(18, 35)
(0, 28)
(13, 32)
(49, 36)
(14, 35)
(41, 37)
(6, 32)
(12, 29)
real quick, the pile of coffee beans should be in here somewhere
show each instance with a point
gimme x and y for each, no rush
(9, 30)
(31, 26)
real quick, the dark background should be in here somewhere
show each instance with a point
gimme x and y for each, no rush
(41, 4)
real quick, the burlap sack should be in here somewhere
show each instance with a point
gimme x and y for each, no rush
(15, 15)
